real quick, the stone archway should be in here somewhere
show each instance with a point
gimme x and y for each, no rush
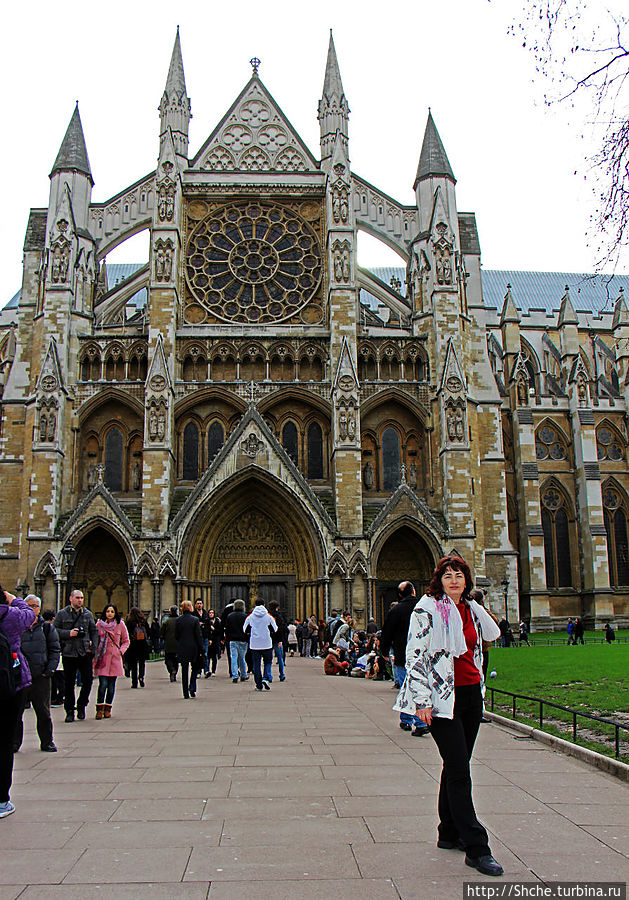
(100, 570)
(254, 540)
(404, 556)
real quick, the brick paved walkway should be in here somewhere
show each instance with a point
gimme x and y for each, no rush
(311, 790)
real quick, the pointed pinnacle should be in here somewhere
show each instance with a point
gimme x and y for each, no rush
(176, 82)
(332, 83)
(433, 159)
(73, 152)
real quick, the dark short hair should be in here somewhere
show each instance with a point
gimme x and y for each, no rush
(259, 601)
(407, 591)
(115, 609)
(48, 615)
(435, 588)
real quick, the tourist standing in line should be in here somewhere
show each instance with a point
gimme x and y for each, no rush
(139, 646)
(79, 638)
(40, 645)
(167, 633)
(15, 617)
(278, 638)
(113, 642)
(236, 640)
(189, 648)
(203, 617)
(261, 625)
(313, 635)
(444, 686)
(215, 638)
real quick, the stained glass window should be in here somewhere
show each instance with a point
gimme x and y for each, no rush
(113, 459)
(190, 469)
(289, 441)
(556, 540)
(315, 451)
(390, 459)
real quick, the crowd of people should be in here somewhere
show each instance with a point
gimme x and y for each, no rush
(435, 649)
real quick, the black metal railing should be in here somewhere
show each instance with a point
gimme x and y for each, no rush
(575, 713)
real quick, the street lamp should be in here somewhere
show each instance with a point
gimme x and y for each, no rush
(505, 593)
(69, 556)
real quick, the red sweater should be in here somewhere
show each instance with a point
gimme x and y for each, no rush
(465, 671)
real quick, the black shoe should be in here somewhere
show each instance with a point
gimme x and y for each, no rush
(141, 682)
(16, 749)
(208, 674)
(193, 694)
(451, 845)
(486, 865)
(420, 732)
(244, 678)
(80, 712)
(235, 680)
(283, 678)
(406, 726)
(134, 685)
(70, 717)
(485, 721)
(49, 748)
(259, 689)
(266, 685)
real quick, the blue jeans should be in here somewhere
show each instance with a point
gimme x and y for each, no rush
(106, 688)
(237, 650)
(258, 656)
(278, 652)
(399, 673)
(206, 661)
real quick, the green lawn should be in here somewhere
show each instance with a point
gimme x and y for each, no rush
(590, 678)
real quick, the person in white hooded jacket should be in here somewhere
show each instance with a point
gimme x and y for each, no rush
(260, 643)
(444, 688)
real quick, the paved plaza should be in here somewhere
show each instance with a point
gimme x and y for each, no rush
(310, 790)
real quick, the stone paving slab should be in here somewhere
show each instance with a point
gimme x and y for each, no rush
(305, 791)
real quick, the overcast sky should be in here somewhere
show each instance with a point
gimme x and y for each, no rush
(514, 160)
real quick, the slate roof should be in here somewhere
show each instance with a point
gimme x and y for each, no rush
(73, 152)
(433, 159)
(544, 290)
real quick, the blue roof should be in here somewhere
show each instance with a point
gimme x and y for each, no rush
(545, 290)
(117, 272)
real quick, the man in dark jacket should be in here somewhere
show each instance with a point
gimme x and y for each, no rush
(79, 639)
(167, 633)
(394, 635)
(40, 646)
(236, 639)
(279, 637)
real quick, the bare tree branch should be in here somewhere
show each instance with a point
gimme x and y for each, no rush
(583, 52)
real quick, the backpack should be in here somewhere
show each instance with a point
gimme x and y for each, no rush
(10, 673)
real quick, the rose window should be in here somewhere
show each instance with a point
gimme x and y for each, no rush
(253, 263)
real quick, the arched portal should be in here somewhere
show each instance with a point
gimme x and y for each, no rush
(253, 540)
(100, 571)
(404, 556)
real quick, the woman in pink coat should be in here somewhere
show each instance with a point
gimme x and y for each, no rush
(112, 644)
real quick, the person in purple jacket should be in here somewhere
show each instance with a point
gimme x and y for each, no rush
(15, 617)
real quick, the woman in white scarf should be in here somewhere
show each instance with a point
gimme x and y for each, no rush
(444, 687)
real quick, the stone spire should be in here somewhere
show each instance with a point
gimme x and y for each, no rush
(333, 107)
(174, 109)
(433, 160)
(72, 156)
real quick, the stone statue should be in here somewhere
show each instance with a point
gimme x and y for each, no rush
(91, 476)
(368, 479)
(43, 427)
(161, 425)
(412, 475)
(136, 476)
(342, 425)
(153, 424)
(52, 424)
(351, 428)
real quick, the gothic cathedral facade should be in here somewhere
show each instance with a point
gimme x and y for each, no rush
(238, 417)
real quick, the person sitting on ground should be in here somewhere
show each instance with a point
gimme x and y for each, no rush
(609, 633)
(332, 665)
